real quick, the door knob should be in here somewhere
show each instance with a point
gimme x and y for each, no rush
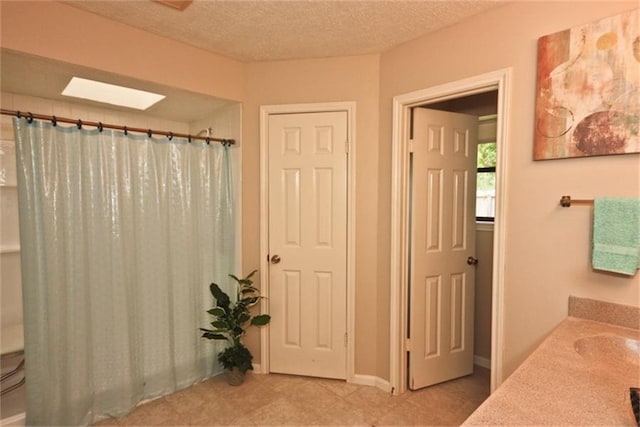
(472, 261)
(275, 259)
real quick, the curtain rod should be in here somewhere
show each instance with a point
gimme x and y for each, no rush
(79, 123)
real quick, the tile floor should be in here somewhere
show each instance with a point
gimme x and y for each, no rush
(265, 400)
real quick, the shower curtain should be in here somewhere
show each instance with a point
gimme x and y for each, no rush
(121, 236)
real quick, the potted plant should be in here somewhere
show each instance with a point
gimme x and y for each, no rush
(230, 323)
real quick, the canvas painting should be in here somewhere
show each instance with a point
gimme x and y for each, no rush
(588, 90)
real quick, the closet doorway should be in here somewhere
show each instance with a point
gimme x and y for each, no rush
(441, 97)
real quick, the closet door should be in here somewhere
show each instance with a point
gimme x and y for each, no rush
(308, 243)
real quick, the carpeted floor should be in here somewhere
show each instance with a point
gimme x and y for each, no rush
(266, 400)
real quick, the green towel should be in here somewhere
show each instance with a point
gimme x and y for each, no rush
(616, 235)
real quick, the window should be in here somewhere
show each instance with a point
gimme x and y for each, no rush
(486, 175)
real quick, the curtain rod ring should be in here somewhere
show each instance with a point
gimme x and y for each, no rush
(170, 136)
(126, 131)
(189, 138)
(208, 140)
(100, 127)
(79, 124)
(54, 121)
(18, 114)
(149, 133)
(30, 119)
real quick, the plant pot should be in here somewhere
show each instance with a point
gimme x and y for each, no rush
(235, 376)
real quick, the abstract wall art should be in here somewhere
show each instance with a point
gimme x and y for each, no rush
(588, 90)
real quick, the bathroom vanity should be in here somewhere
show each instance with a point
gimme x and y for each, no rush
(579, 375)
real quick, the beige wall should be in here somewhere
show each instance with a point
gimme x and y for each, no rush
(483, 291)
(323, 80)
(547, 247)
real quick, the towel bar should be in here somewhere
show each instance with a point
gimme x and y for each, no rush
(565, 201)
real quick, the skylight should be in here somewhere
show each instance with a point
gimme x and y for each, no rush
(111, 94)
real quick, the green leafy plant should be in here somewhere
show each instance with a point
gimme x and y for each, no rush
(231, 321)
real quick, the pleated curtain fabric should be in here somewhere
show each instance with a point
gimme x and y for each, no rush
(121, 236)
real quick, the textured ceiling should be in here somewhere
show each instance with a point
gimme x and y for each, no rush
(269, 30)
(245, 30)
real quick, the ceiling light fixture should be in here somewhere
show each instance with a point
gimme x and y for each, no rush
(111, 94)
(176, 4)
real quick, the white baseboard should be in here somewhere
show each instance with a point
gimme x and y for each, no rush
(257, 368)
(373, 381)
(482, 361)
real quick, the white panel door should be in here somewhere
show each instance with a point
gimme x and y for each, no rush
(308, 243)
(442, 246)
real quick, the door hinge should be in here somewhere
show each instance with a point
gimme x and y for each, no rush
(346, 339)
(346, 147)
(407, 344)
(411, 142)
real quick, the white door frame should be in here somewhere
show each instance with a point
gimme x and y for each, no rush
(402, 104)
(265, 111)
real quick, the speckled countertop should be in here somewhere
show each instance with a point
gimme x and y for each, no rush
(579, 375)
